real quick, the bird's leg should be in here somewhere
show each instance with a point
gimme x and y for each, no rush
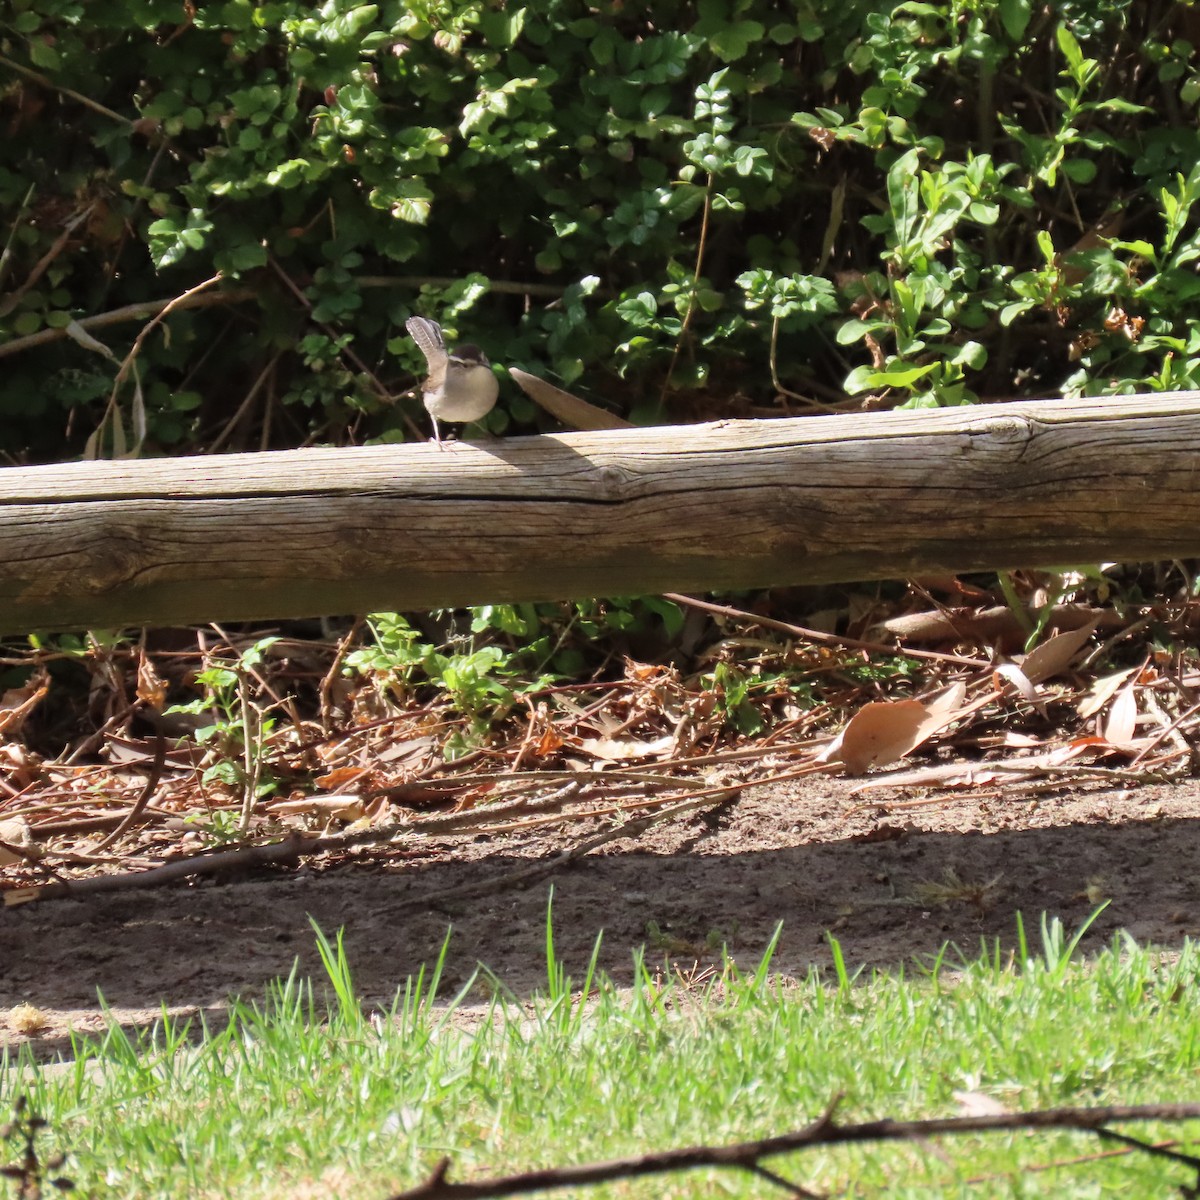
(437, 433)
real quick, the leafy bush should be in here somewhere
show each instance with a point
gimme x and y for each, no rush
(684, 210)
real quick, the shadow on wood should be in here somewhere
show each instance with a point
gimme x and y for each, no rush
(733, 504)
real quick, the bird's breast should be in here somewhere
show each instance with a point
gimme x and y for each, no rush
(466, 395)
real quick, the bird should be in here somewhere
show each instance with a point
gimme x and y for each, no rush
(460, 385)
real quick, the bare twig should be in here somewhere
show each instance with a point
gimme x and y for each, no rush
(130, 312)
(50, 85)
(248, 400)
(817, 635)
(144, 797)
(524, 876)
(330, 678)
(824, 1131)
(297, 845)
(687, 316)
(208, 863)
(43, 264)
(502, 287)
(179, 301)
(808, 401)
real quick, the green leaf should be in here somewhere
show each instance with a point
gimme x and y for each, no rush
(1069, 46)
(734, 40)
(247, 256)
(43, 55)
(1010, 312)
(898, 376)
(500, 28)
(1014, 16)
(972, 355)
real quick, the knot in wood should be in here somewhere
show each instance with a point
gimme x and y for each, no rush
(613, 483)
(1009, 428)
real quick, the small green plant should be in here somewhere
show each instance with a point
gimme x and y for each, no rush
(731, 687)
(512, 651)
(236, 737)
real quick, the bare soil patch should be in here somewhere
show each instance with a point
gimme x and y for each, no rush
(809, 855)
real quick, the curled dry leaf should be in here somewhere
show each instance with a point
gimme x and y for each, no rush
(15, 833)
(613, 749)
(1101, 692)
(1121, 724)
(17, 703)
(151, 689)
(883, 731)
(1019, 680)
(548, 743)
(346, 807)
(1054, 655)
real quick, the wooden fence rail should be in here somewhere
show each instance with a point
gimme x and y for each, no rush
(731, 504)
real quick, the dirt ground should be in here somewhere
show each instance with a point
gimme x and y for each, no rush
(813, 857)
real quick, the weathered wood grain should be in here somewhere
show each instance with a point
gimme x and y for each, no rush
(724, 505)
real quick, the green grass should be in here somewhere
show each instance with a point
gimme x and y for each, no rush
(297, 1097)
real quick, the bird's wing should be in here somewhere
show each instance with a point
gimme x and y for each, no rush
(428, 336)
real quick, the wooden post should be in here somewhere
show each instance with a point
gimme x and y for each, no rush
(732, 504)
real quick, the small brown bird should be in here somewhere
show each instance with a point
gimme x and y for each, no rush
(460, 386)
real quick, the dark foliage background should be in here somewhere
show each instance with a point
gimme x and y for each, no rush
(680, 210)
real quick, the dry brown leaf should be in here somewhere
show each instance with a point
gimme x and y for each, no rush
(410, 748)
(1121, 724)
(548, 743)
(338, 808)
(944, 709)
(879, 733)
(151, 689)
(341, 777)
(1101, 692)
(17, 703)
(613, 749)
(1054, 654)
(1019, 680)
(15, 832)
(570, 410)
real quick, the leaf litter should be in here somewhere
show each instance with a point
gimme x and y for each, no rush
(331, 763)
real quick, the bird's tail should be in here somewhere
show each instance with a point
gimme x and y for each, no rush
(428, 336)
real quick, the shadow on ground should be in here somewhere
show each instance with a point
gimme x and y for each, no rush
(806, 857)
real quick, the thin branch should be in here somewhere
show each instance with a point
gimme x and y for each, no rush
(347, 351)
(502, 287)
(130, 312)
(687, 316)
(44, 263)
(247, 401)
(297, 845)
(147, 308)
(817, 635)
(824, 1131)
(209, 863)
(179, 301)
(778, 386)
(49, 84)
(144, 797)
(330, 678)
